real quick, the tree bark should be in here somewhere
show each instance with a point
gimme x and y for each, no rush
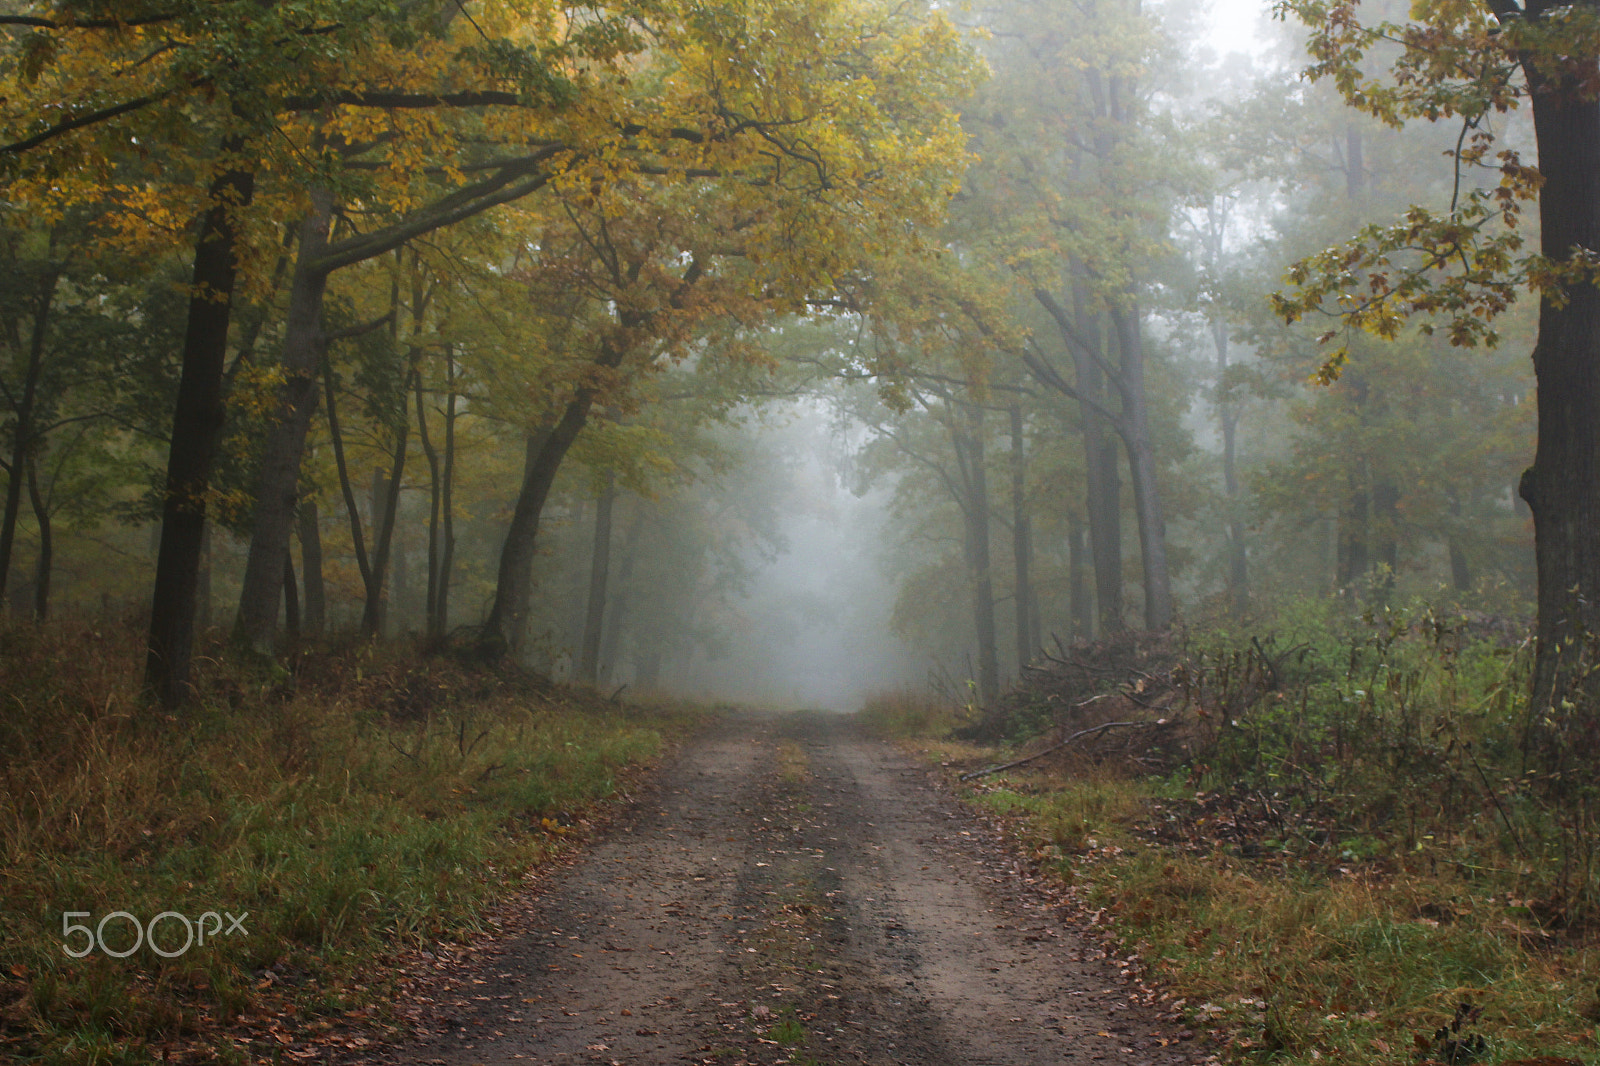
(197, 422)
(599, 573)
(304, 350)
(1563, 485)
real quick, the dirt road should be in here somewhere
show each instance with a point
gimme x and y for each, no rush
(792, 892)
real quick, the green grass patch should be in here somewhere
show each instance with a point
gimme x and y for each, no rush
(381, 803)
(1371, 849)
(1302, 963)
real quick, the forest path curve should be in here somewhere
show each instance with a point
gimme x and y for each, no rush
(790, 892)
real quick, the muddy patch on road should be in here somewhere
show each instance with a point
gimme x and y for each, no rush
(791, 892)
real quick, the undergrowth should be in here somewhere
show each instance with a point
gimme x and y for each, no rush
(1361, 851)
(364, 802)
(908, 712)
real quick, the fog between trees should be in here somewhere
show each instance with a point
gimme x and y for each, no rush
(871, 345)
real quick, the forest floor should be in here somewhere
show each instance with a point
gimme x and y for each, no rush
(789, 891)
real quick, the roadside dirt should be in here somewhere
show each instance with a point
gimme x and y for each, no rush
(790, 892)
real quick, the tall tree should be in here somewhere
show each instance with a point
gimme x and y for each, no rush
(1462, 63)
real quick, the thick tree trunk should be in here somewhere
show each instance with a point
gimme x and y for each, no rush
(22, 443)
(315, 620)
(599, 573)
(503, 626)
(304, 349)
(1563, 484)
(47, 544)
(196, 428)
(502, 629)
(1022, 545)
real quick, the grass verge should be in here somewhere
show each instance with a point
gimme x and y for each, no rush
(1293, 963)
(1342, 839)
(367, 802)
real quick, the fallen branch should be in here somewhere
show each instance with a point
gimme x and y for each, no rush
(969, 775)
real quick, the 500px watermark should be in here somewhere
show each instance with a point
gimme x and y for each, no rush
(194, 932)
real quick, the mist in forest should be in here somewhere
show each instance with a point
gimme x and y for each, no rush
(814, 628)
(701, 421)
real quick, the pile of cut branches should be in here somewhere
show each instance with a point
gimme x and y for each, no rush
(1119, 698)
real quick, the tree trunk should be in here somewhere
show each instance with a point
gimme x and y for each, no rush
(1353, 562)
(502, 629)
(1228, 419)
(1158, 608)
(22, 443)
(507, 613)
(447, 517)
(358, 536)
(1563, 485)
(1022, 545)
(373, 615)
(41, 515)
(315, 620)
(1386, 512)
(202, 605)
(430, 607)
(969, 447)
(196, 429)
(291, 600)
(1078, 606)
(1460, 570)
(599, 572)
(647, 668)
(304, 349)
(1102, 487)
(619, 607)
